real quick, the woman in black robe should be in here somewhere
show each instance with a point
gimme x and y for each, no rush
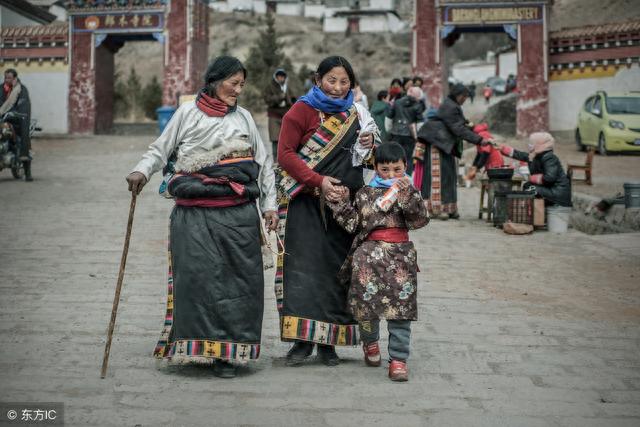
(442, 135)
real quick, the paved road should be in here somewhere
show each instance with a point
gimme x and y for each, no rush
(540, 330)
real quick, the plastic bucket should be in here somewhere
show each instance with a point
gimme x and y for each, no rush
(164, 115)
(631, 195)
(558, 218)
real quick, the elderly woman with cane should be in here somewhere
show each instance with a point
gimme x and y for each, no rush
(215, 301)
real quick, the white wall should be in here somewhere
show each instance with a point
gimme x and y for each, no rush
(9, 18)
(314, 10)
(48, 87)
(476, 73)
(382, 4)
(374, 24)
(508, 64)
(396, 25)
(334, 24)
(566, 97)
(289, 9)
(260, 6)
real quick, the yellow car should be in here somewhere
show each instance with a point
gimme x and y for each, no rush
(610, 122)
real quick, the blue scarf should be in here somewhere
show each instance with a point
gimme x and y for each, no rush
(378, 182)
(317, 99)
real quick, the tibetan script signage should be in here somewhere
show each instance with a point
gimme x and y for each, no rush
(492, 15)
(119, 22)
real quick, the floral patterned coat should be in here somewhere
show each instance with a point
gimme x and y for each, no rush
(383, 276)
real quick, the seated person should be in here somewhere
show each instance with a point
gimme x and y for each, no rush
(548, 180)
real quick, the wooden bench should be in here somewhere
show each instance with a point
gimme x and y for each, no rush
(586, 168)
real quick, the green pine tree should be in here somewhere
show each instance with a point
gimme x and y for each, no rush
(265, 56)
(151, 98)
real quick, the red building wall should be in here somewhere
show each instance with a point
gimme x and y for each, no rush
(533, 101)
(82, 86)
(427, 49)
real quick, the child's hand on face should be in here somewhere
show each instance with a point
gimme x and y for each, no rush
(404, 183)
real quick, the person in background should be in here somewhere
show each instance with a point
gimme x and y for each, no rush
(418, 81)
(406, 113)
(359, 96)
(379, 111)
(395, 89)
(487, 156)
(382, 269)
(511, 83)
(14, 97)
(472, 91)
(407, 82)
(442, 136)
(277, 95)
(548, 180)
(308, 82)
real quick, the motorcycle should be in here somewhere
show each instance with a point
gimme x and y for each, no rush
(9, 143)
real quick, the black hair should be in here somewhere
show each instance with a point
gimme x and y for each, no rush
(280, 72)
(382, 94)
(331, 62)
(396, 80)
(418, 79)
(457, 90)
(12, 71)
(406, 80)
(389, 152)
(222, 68)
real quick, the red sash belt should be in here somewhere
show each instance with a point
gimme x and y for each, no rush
(390, 235)
(218, 202)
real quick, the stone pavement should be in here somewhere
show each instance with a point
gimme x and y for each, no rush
(541, 330)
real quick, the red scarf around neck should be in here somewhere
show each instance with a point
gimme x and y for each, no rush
(6, 88)
(212, 107)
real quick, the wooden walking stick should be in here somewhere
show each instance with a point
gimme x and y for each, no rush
(116, 299)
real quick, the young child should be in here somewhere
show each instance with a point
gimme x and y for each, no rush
(487, 156)
(382, 265)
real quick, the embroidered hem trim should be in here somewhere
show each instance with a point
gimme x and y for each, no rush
(298, 328)
(197, 351)
(203, 350)
(434, 204)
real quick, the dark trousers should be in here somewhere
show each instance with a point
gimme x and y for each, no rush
(21, 128)
(408, 143)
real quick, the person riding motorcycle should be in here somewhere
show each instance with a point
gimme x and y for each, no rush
(14, 97)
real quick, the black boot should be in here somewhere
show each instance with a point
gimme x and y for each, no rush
(327, 355)
(224, 369)
(299, 353)
(27, 170)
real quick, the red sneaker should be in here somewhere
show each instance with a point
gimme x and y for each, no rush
(371, 354)
(398, 371)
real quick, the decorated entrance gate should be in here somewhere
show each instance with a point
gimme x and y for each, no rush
(98, 29)
(525, 21)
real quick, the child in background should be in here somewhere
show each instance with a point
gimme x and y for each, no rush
(382, 265)
(488, 156)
